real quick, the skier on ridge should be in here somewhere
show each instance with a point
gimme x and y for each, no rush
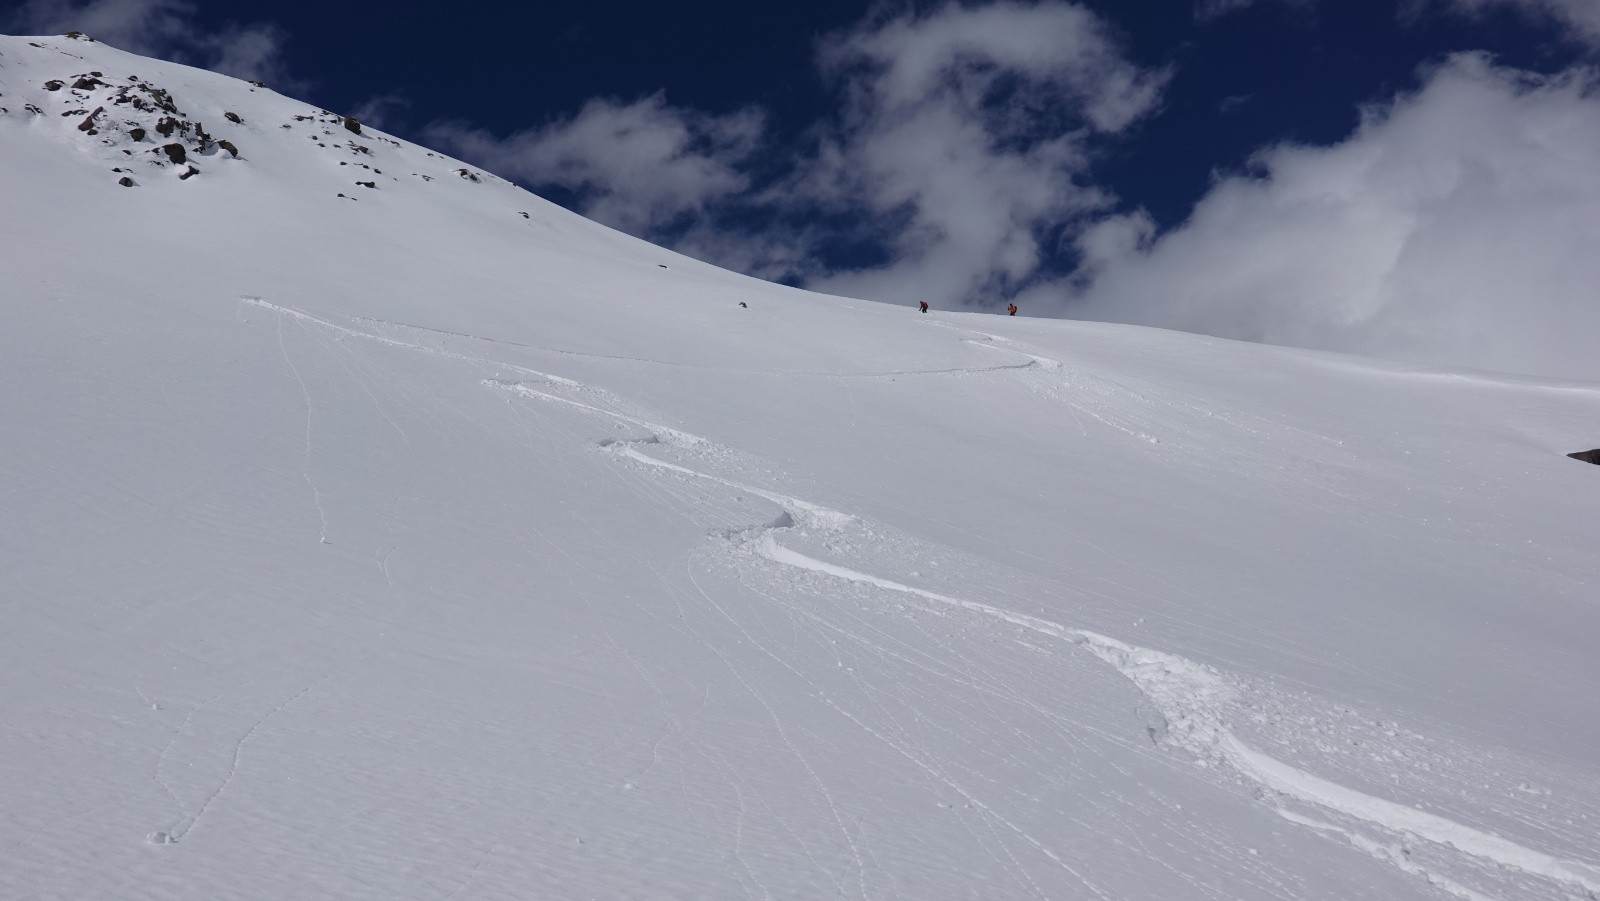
(922, 305)
(1011, 309)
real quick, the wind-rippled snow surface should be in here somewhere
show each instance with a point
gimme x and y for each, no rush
(431, 542)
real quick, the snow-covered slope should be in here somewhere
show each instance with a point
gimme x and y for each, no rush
(429, 541)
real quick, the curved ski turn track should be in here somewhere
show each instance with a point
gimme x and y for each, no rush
(1185, 705)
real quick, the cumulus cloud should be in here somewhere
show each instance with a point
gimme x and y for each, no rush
(959, 153)
(138, 26)
(1205, 10)
(165, 29)
(1457, 225)
(965, 136)
(383, 111)
(1582, 16)
(636, 166)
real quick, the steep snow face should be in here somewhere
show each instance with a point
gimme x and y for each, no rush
(429, 541)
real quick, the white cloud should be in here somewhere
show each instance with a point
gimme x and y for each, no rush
(962, 53)
(1582, 16)
(777, 252)
(962, 144)
(138, 26)
(636, 166)
(252, 52)
(1457, 225)
(381, 111)
(965, 135)
(1205, 10)
(165, 29)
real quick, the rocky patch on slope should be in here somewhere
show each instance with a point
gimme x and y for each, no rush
(126, 120)
(161, 126)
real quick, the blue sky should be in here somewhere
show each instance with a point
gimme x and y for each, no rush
(1295, 171)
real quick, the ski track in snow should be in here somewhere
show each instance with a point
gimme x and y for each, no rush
(1189, 696)
(305, 461)
(876, 374)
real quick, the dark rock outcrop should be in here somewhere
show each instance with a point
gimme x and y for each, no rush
(1588, 456)
(125, 181)
(228, 146)
(175, 152)
(351, 124)
(231, 117)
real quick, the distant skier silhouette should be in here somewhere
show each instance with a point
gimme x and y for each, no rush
(922, 305)
(1011, 309)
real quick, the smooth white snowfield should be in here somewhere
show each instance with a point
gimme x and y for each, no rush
(403, 546)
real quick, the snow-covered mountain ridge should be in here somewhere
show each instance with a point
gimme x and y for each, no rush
(375, 528)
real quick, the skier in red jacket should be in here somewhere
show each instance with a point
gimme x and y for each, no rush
(1011, 309)
(922, 305)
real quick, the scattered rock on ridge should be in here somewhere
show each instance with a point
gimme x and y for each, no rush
(88, 123)
(175, 152)
(351, 124)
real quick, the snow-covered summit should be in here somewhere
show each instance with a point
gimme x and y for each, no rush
(370, 527)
